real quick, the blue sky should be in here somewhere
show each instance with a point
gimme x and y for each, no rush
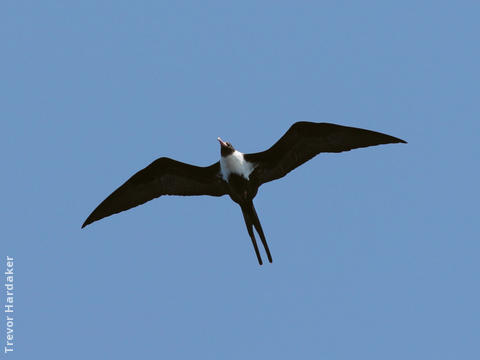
(375, 250)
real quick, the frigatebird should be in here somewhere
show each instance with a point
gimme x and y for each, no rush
(236, 174)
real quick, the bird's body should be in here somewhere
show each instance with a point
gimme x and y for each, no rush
(236, 174)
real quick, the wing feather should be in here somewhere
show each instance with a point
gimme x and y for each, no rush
(304, 140)
(164, 176)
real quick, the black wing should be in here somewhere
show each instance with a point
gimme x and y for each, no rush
(304, 140)
(164, 176)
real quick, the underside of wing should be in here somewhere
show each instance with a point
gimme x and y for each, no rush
(164, 176)
(304, 140)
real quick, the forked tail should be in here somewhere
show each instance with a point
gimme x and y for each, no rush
(251, 220)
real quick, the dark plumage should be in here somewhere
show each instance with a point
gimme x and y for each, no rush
(238, 175)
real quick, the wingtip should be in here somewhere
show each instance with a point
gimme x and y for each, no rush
(86, 222)
(396, 140)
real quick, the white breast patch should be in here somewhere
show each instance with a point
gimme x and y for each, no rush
(236, 164)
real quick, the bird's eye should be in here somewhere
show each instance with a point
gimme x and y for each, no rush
(228, 144)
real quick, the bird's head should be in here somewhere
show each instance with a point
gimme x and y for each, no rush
(225, 147)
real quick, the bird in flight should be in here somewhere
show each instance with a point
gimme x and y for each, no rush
(236, 174)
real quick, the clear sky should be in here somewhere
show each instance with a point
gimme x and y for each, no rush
(375, 250)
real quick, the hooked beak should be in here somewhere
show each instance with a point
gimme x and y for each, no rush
(222, 143)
